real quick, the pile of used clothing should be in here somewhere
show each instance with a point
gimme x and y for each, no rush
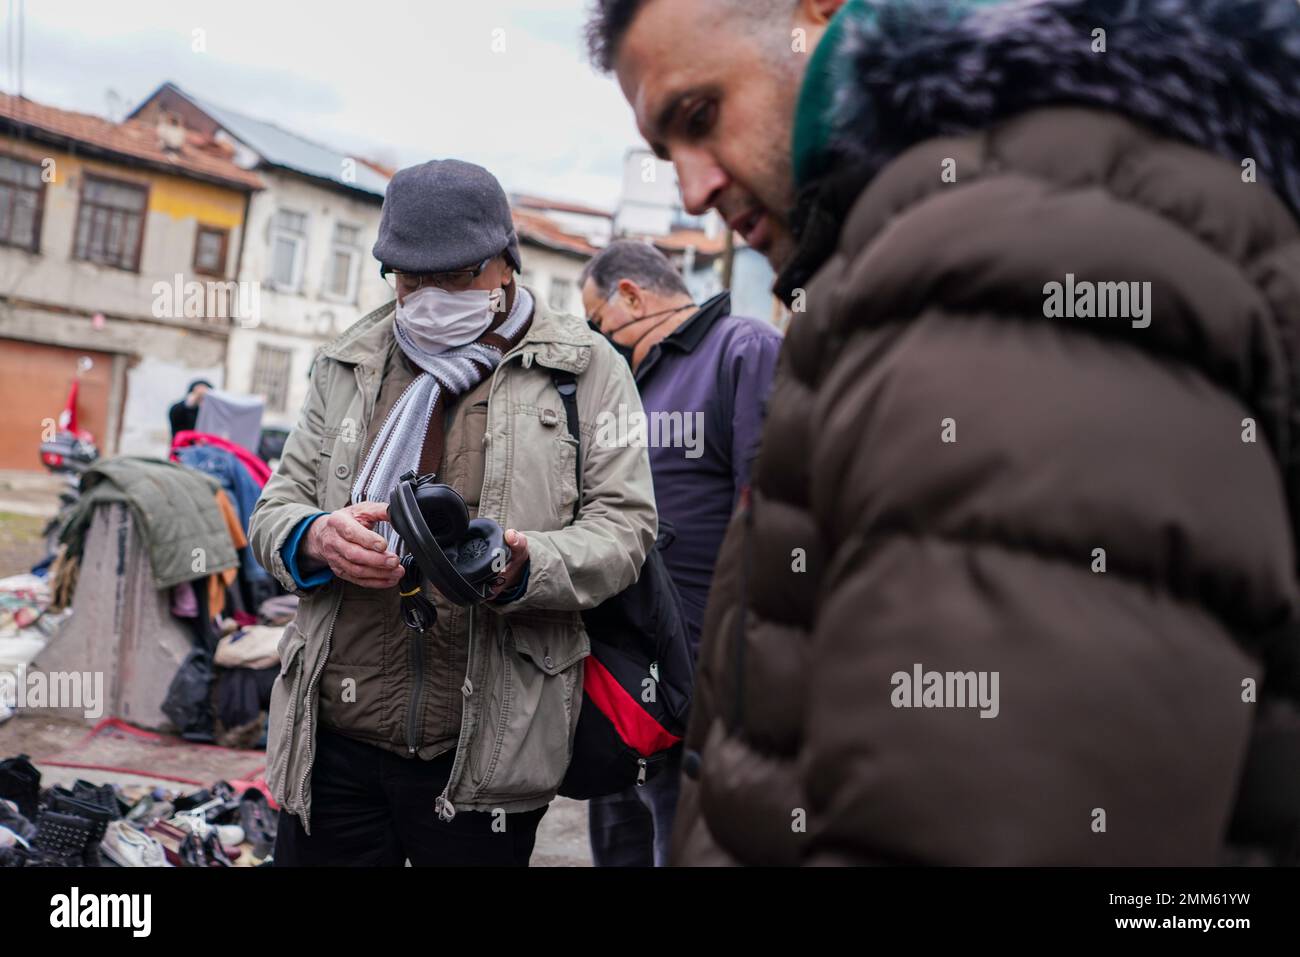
(199, 504)
(224, 697)
(241, 475)
(188, 524)
(110, 826)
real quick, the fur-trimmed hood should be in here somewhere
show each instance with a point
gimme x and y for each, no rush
(1220, 74)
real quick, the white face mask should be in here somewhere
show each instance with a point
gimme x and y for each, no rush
(438, 320)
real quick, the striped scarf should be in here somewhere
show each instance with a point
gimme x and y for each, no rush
(398, 444)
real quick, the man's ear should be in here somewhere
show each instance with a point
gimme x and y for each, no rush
(507, 273)
(818, 12)
(631, 293)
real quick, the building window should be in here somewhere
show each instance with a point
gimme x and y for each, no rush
(210, 250)
(271, 376)
(561, 291)
(21, 194)
(110, 222)
(288, 248)
(345, 254)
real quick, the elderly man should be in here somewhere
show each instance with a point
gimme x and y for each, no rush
(700, 366)
(444, 746)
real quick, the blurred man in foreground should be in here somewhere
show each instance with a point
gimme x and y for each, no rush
(1031, 451)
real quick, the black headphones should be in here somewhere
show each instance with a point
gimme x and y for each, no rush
(458, 555)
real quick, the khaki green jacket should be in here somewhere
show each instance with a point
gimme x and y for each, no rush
(385, 684)
(522, 687)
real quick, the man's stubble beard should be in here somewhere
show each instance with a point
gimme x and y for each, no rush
(780, 164)
(779, 202)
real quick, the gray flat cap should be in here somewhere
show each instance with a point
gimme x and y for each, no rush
(444, 215)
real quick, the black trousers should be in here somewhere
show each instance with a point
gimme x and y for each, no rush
(634, 828)
(373, 808)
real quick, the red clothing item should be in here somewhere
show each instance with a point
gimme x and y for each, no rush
(258, 469)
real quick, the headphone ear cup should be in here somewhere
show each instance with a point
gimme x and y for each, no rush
(483, 545)
(444, 512)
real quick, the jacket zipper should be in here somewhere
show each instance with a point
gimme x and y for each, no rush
(311, 684)
(413, 709)
(443, 806)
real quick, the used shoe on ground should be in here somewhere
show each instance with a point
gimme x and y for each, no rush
(66, 840)
(20, 782)
(126, 846)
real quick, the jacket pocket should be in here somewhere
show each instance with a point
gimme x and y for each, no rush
(565, 480)
(532, 709)
(467, 461)
(323, 457)
(285, 714)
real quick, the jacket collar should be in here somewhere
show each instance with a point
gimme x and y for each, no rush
(887, 74)
(555, 340)
(692, 332)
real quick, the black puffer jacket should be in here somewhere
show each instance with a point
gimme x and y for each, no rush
(957, 479)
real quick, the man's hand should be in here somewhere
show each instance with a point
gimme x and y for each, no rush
(509, 576)
(344, 541)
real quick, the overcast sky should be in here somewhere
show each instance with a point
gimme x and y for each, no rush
(401, 81)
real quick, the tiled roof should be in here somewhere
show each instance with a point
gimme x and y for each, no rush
(560, 206)
(279, 147)
(679, 239)
(378, 167)
(197, 157)
(541, 230)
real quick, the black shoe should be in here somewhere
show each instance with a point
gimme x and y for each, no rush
(191, 852)
(214, 852)
(258, 822)
(31, 857)
(102, 796)
(188, 802)
(223, 790)
(64, 840)
(20, 782)
(64, 802)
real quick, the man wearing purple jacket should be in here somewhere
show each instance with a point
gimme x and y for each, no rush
(704, 377)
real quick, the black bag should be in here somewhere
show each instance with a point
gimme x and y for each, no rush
(640, 676)
(188, 703)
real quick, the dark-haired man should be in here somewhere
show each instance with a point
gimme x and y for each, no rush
(956, 483)
(184, 414)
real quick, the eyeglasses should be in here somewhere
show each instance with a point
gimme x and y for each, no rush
(457, 280)
(593, 320)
